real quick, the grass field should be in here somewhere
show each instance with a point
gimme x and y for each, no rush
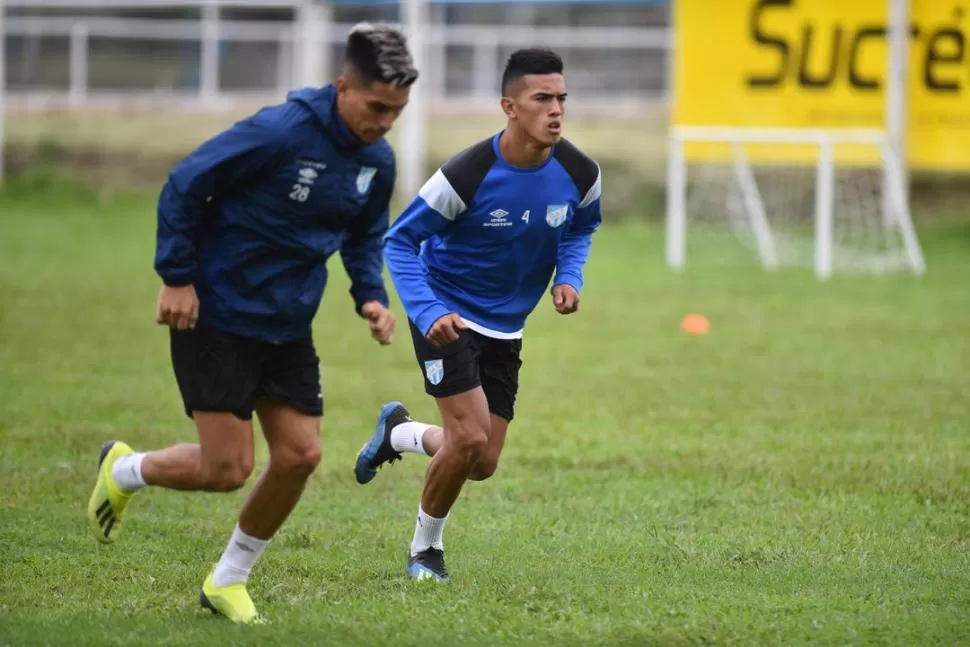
(801, 475)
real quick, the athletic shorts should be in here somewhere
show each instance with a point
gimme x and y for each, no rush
(219, 371)
(472, 361)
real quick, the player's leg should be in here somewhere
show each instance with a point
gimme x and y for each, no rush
(293, 439)
(465, 421)
(488, 460)
(397, 433)
(465, 425)
(499, 364)
(491, 406)
(217, 380)
(451, 376)
(220, 462)
(408, 435)
(289, 408)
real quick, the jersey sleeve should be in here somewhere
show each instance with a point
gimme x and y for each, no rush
(575, 244)
(431, 212)
(362, 250)
(215, 167)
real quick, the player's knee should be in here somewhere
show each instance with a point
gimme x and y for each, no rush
(484, 468)
(298, 459)
(466, 430)
(469, 439)
(226, 475)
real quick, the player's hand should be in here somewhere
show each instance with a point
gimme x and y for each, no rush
(381, 321)
(445, 330)
(178, 307)
(565, 298)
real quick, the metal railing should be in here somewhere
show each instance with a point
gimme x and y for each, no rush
(213, 63)
(50, 60)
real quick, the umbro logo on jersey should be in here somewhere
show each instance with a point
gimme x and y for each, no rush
(308, 175)
(498, 219)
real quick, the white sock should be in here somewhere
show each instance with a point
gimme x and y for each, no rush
(409, 437)
(127, 472)
(427, 532)
(238, 558)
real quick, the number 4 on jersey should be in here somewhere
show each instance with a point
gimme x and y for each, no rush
(525, 216)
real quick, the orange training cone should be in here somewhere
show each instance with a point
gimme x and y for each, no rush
(695, 324)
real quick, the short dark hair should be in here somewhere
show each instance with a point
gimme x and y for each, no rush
(379, 53)
(530, 61)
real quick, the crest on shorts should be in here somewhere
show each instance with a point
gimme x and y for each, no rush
(435, 370)
(364, 178)
(556, 214)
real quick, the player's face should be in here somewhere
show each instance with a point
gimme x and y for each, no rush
(370, 110)
(538, 105)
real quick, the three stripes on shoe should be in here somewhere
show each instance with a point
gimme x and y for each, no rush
(106, 517)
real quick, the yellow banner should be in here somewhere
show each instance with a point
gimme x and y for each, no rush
(822, 64)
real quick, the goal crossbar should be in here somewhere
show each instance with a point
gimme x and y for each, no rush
(749, 135)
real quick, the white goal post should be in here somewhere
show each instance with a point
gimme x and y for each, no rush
(812, 187)
(3, 89)
(830, 199)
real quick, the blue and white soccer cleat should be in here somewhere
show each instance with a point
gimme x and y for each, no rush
(429, 564)
(378, 450)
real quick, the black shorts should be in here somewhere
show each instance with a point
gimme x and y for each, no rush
(472, 361)
(219, 371)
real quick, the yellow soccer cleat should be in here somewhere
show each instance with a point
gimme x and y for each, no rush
(231, 601)
(108, 501)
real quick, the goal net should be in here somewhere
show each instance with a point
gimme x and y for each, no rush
(829, 200)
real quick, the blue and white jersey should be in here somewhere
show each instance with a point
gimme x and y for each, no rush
(483, 238)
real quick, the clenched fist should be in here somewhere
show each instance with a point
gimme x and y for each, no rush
(177, 307)
(381, 320)
(565, 298)
(445, 330)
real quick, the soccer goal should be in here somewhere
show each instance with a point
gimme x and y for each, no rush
(791, 159)
(832, 200)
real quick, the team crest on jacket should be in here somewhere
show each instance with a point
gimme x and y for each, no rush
(556, 214)
(364, 178)
(435, 370)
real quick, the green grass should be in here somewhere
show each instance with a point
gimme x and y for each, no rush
(801, 475)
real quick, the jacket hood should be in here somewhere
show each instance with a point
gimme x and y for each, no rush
(322, 102)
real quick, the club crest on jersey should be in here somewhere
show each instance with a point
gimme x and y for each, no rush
(556, 214)
(435, 370)
(364, 178)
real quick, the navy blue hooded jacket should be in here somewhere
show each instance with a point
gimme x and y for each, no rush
(251, 217)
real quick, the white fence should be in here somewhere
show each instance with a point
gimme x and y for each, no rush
(87, 61)
(295, 65)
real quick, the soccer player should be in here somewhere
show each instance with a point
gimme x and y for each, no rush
(246, 223)
(471, 257)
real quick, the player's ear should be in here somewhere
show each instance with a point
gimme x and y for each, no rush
(341, 84)
(507, 107)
